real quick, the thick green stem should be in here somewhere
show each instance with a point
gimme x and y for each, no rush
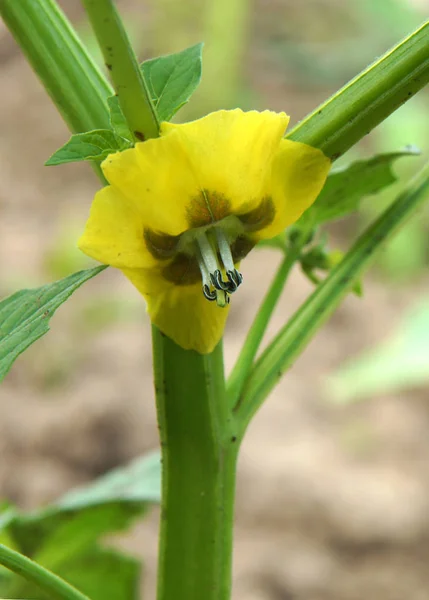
(121, 61)
(199, 452)
(69, 75)
(57, 588)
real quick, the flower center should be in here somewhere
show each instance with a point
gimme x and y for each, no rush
(214, 258)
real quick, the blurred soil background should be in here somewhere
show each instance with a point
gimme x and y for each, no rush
(333, 498)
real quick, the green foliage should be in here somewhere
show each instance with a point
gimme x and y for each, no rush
(346, 187)
(401, 362)
(138, 482)
(92, 145)
(344, 190)
(117, 119)
(24, 316)
(65, 537)
(292, 338)
(172, 79)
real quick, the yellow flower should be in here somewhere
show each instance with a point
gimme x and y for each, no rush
(183, 210)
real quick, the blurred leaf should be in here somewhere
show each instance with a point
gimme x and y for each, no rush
(140, 481)
(25, 315)
(347, 186)
(123, 491)
(62, 541)
(400, 363)
(100, 574)
(65, 537)
(172, 79)
(91, 145)
(117, 119)
(104, 574)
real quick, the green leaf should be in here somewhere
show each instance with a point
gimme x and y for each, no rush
(140, 481)
(103, 574)
(399, 363)
(346, 187)
(24, 316)
(117, 119)
(172, 79)
(297, 332)
(110, 501)
(65, 536)
(92, 145)
(99, 573)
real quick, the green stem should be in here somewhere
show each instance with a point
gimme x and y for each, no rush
(121, 61)
(69, 75)
(257, 330)
(369, 98)
(53, 585)
(295, 335)
(199, 452)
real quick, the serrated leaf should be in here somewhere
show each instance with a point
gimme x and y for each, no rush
(117, 119)
(347, 186)
(91, 145)
(24, 316)
(172, 79)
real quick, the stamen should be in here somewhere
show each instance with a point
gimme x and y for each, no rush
(207, 291)
(207, 254)
(208, 251)
(224, 250)
(218, 282)
(235, 277)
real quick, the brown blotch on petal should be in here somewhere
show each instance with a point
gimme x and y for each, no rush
(161, 245)
(241, 248)
(260, 217)
(207, 208)
(183, 270)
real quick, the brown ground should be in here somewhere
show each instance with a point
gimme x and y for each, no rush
(333, 503)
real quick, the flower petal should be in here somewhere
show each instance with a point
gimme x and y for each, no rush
(181, 312)
(156, 177)
(114, 233)
(231, 152)
(199, 172)
(298, 175)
